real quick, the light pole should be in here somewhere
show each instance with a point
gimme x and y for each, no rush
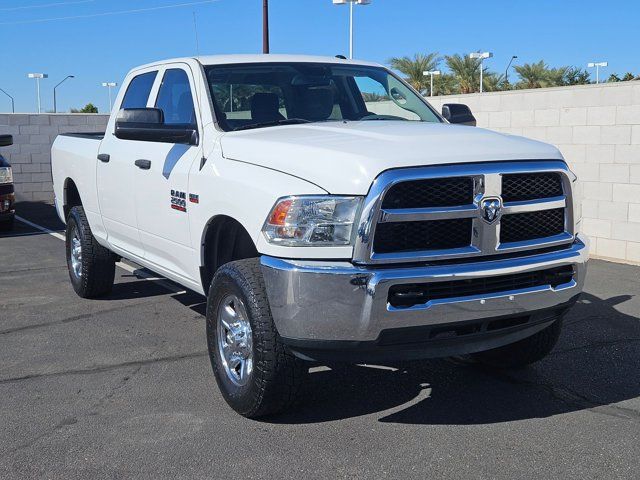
(110, 85)
(38, 77)
(351, 3)
(481, 56)
(431, 73)
(597, 65)
(13, 103)
(506, 72)
(55, 98)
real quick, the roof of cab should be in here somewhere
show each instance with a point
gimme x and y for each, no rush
(259, 58)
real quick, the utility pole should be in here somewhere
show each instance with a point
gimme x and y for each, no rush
(265, 26)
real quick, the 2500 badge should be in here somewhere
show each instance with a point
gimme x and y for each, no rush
(179, 200)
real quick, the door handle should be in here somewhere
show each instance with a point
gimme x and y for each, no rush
(104, 157)
(143, 164)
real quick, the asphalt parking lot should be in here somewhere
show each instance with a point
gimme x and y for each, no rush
(122, 388)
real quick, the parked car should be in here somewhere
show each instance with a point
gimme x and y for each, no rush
(329, 213)
(7, 195)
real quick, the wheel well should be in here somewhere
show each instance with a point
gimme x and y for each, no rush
(225, 240)
(71, 197)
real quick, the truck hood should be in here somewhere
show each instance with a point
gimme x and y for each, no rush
(345, 157)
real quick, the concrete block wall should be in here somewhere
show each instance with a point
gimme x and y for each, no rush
(30, 155)
(597, 129)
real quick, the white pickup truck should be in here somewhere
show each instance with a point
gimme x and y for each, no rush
(328, 213)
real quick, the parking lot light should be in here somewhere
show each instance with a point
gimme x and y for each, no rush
(55, 101)
(13, 103)
(481, 56)
(351, 3)
(38, 77)
(110, 85)
(431, 73)
(597, 65)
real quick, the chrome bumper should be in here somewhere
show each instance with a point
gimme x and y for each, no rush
(337, 301)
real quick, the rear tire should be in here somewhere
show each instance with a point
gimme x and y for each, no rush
(523, 352)
(91, 266)
(242, 338)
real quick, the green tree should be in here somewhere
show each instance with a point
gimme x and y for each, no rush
(533, 75)
(445, 84)
(628, 76)
(557, 77)
(576, 76)
(413, 68)
(88, 108)
(466, 71)
(614, 78)
(493, 82)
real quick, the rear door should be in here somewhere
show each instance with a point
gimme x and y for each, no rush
(162, 191)
(116, 171)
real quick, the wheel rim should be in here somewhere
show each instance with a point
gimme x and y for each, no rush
(75, 250)
(235, 341)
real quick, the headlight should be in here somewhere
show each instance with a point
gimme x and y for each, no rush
(5, 175)
(312, 221)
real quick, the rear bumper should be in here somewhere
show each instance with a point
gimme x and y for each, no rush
(339, 307)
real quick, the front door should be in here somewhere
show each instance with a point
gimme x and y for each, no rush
(162, 190)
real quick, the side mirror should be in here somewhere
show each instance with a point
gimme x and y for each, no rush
(458, 113)
(6, 140)
(147, 125)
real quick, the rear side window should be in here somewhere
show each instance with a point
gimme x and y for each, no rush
(138, 92)
(175, 98)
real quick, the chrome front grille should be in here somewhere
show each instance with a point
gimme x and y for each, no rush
(437, 213)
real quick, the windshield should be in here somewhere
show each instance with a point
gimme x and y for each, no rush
(268, 94)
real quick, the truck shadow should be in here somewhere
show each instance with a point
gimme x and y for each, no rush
(596, 365)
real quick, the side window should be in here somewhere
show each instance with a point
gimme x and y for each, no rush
(138, 91)
(175, 98)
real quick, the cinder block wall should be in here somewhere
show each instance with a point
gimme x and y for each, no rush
(30, 155)
(597, 129)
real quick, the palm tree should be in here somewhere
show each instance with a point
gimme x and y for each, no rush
(628, 76)
(532, 75)
(466, 71)
(557, 77)
(493, 82)
(445, 84)
(414, 68)
(577, 76)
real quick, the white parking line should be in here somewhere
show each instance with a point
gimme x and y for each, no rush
(137, 271)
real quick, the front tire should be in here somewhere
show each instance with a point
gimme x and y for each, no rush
(91, 266)
(524, 352)
(254, 371)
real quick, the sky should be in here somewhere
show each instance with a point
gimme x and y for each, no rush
(91, 40)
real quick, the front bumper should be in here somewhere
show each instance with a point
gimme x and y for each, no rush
(319, 305)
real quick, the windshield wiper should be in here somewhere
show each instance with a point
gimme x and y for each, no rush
(373, 116)
(286, 121)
